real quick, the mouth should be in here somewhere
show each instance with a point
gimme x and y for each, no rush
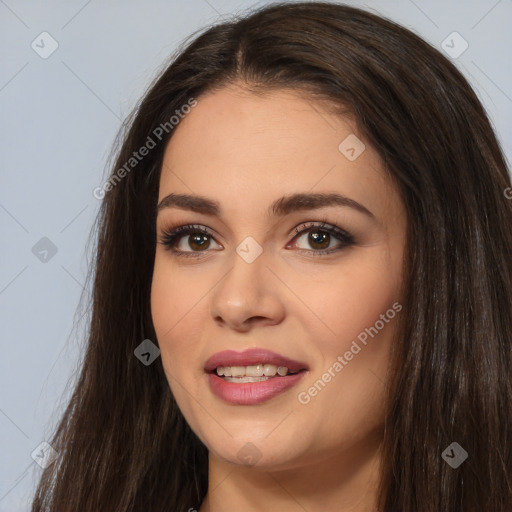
(254, 373)
(252, 376)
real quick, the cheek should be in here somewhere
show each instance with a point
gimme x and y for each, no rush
(169, 313)
(171, 302)
(354, 336)
(173, 296)
(344, 302)
(179, 307)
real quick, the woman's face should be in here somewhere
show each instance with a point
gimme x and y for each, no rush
(296, 248)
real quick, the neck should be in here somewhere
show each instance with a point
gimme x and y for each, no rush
(338, 482)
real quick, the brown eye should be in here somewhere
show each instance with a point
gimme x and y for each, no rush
(198, 242)
(319, 239)
(189, 240)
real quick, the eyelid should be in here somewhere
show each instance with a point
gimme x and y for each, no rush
(343, 236)
(172, 234)
(322, 225)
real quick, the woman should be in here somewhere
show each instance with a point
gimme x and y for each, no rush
(308, 216)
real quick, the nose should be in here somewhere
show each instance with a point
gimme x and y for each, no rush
(247, 296)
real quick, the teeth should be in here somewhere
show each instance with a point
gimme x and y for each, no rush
(241, 380)
(255, 371)
(270, 370)
(237, 371)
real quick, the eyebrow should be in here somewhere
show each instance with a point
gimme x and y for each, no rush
(282, 206)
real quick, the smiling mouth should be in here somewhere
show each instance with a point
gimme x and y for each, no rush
(253, 373)
(253, 376)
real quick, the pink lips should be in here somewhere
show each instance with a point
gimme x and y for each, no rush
(250, 393)
(251, 357)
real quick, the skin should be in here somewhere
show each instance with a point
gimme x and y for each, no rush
(246, 151)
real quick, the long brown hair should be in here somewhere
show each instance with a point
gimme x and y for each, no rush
(123, 443)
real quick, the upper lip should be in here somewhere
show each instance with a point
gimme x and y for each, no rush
(250, 357)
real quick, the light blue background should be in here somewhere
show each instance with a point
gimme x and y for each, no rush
(59, 117)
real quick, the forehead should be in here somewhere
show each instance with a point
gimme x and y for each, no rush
(245, 149)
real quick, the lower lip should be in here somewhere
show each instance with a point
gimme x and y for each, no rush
(250, 393)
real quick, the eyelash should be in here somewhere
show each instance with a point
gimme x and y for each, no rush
(169, 237)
